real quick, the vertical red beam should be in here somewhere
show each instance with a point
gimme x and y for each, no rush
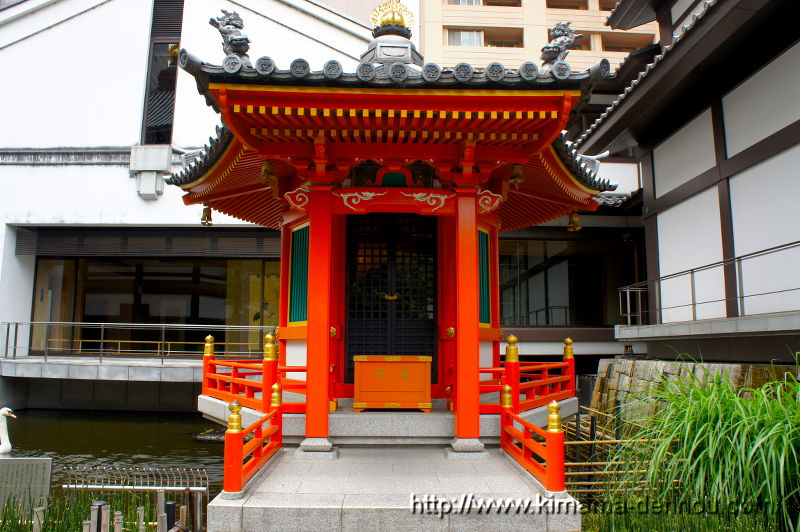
(467, 327)
(319, 312)
(338, 248)
(494, 286)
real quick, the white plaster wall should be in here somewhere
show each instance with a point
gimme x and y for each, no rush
(686, 154)
(16, 289)
(580, 348)
(276, 29)
(79, 82)
(689, 236)
(486, 359)
(90, 195)
(296, 356)
(625, 175)
(764, 103)
(765, 215)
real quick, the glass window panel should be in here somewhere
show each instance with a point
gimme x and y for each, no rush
(563, 283)
(53, 301)
(464, 37)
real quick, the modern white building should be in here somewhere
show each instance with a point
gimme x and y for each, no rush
(96, 114)
(714, 121)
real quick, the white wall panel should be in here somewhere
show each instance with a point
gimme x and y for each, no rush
(765, 103)
(276, 30)
(296, 356)
(487, 359)
(686, 154)
(625, 175)
(689, 236)
(764, 207)
(81, 81)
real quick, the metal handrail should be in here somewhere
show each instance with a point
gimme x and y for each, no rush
(160, 345)
(642, 288)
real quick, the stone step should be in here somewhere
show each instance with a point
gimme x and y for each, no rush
(385, 427)
(374, 488)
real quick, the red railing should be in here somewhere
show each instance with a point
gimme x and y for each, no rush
(243, 457)
(543, 459)
(533, 384)
(248, 382)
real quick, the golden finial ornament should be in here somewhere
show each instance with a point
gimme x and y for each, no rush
(568, 352)
(270, 351)
(507, 400)
(205, 219)
(574, 222)
(392, 12)
(553, 418)
(277, 397)
(208, 348)
(512, 349)
(235, 417)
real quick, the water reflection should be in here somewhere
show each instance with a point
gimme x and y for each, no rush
(119, 439)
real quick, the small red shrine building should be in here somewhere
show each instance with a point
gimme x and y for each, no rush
(390, 186)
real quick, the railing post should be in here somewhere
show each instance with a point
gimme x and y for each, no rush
(277, 419)
(569, 360)
(208, 363)
(740, 282)
(506, 406)
(269, 370)
(234, 440)
(694, 296)
(512, 371)
(554, 450)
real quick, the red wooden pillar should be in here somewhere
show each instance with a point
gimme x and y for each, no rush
(467, 408)
(319, 311)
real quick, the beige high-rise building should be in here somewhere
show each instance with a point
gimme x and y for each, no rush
(513, 31)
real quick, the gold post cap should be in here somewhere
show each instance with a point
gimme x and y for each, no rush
(507, 400)
(277, 396)
(235, 417)
(208, 349)
(270, 351)
(568, 350)
(512, 349)
(554, 417)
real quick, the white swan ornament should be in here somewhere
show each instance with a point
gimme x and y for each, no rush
(5, 442)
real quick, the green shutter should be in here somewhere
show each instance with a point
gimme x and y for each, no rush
(298, 284)
(393, 179)
(485, 312)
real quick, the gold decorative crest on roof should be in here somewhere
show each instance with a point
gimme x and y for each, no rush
(392, 12)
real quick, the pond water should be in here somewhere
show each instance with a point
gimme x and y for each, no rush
(116, 439)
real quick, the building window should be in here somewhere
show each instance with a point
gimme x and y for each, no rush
(464, 2)
(567, 4)
(625, 42)
(165, 34)
(563, 283)
(153, 291)
(464, 37)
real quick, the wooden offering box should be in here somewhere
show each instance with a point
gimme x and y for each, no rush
(392, 382)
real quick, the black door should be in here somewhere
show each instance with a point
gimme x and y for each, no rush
(391, 286)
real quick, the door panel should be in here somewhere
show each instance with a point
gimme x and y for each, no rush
(391, 287)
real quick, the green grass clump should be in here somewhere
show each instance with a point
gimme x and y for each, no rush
(710, 441)
(66, 510)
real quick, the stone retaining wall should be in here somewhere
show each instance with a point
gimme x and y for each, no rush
(619, 379)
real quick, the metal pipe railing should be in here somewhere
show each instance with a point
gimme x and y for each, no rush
(634, 298)
(106, 340)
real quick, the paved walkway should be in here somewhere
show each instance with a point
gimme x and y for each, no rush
(370, 489)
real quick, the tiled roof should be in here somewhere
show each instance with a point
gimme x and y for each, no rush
(657, 60)
(495, 75)
(205, 159)
(583, 168)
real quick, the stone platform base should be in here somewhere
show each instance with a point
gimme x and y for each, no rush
(375, 488)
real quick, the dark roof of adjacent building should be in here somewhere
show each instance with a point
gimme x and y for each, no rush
(628, 14)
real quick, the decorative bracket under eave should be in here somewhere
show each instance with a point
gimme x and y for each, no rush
(298, 198)
(488, 201)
